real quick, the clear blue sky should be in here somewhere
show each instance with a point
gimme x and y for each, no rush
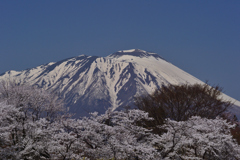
(200, 37)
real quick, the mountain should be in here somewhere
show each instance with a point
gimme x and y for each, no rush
(91, 83)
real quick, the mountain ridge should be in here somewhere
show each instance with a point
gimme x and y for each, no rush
(92, 83)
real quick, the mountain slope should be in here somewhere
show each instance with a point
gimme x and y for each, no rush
(90, 83)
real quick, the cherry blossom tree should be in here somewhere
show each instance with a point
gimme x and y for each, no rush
(21, 137)
(198, 138)
(111, 135)
(34, 102)
(26, 114)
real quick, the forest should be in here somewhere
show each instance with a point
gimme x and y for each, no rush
(177, 122)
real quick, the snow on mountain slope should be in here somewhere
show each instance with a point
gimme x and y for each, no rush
(90, 83)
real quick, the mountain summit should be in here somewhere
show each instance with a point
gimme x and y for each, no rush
(134, 52)
(91, 83)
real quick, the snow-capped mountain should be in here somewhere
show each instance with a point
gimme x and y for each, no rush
(91, 83)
